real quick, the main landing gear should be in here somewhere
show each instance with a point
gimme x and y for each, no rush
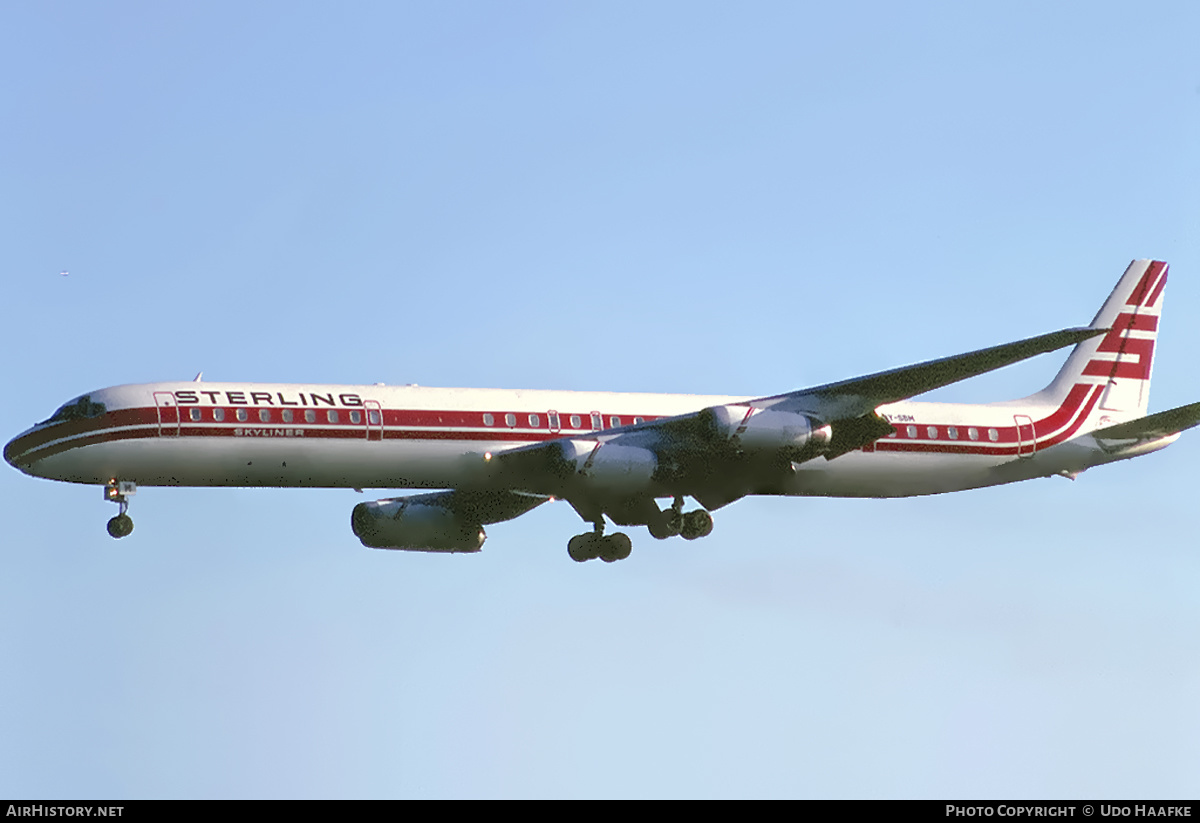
(690, 526)
(673, 521)
(583, 547)
(119, 493)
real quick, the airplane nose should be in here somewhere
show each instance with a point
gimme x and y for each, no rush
(14, 450)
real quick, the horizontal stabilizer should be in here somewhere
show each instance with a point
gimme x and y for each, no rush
(1155, 426)
(862, 395)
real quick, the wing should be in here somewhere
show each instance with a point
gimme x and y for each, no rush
(862, 395)
(721, 453)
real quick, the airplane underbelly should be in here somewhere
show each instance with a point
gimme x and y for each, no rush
(881, 474)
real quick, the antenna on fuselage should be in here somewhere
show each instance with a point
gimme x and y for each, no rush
(199, 378)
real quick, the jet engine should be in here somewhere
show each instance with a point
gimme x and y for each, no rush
(752, 430)
(610, 468)
(404, 523)
(450, 521)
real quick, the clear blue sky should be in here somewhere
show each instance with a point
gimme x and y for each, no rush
(685, 197)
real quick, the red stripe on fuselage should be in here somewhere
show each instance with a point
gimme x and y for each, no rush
(1063, 414)
(1048, 431)
(1069, 432)
(397, 424)
(444, 425)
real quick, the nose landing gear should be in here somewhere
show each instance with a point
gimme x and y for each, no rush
(119, 492)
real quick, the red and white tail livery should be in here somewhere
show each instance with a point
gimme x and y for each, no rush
(490, 455)
(1119, 363)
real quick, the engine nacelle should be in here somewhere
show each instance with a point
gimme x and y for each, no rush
(763, 430)
(414, 524)
(610, 469)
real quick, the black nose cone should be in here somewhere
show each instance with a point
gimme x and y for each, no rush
(14, 450)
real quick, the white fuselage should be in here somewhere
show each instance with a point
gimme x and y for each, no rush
(237, 434)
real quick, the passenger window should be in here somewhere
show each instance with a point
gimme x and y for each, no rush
(973, 433)
(331, 416)
(575, 421)
(218, 415)
(953, 432)
(932, 432)
(534, 421)
(912, 431)
(373, 417)
(264, 415)
(552, 420)
(597, 421)
(194, 415)
(993, 435)
(310, 416)
(613, 422)
(489, 419)
(243, 415)
(355, 417)
(286, 414)
(510, 419)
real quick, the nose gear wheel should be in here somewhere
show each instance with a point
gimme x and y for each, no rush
(118, 492)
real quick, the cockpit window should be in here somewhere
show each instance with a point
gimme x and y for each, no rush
(78, 409)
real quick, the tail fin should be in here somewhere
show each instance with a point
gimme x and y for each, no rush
(1113, 371)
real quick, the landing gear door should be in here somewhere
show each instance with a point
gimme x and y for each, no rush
(374, 419)
(168, 414)
(1026, 436)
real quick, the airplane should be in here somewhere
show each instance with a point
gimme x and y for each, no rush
(493, 455)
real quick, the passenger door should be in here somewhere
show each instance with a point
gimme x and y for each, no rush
(168, 414)
(374, 419)
(1026, 436)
